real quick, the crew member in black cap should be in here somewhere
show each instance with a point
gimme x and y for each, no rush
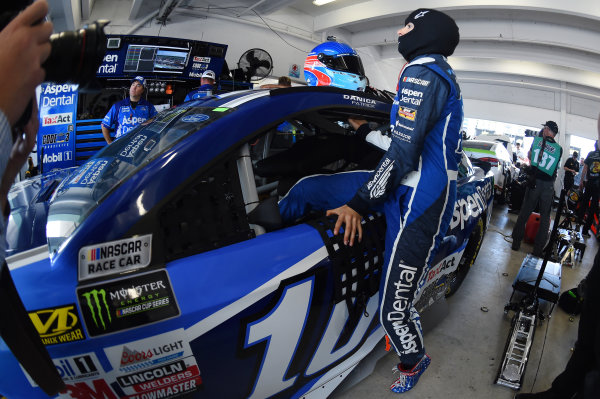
(544, 156)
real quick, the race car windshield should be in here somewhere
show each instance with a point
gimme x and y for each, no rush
(84, 189)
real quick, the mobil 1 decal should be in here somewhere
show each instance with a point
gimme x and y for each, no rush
(58, 324)
(117, 305)
(162, 366)
(115, 257)
(75, 368)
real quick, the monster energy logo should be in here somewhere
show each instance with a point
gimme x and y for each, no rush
(96, 294)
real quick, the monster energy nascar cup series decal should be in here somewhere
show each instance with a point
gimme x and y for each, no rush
(117, 305)
(115, 257)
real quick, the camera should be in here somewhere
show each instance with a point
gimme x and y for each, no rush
(75, 55)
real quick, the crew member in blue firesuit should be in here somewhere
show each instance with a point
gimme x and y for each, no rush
(207, 81)
(128, 113)
(414, 183)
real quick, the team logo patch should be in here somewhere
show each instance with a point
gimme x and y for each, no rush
(195, 118)
(114, 257)
(407, 113)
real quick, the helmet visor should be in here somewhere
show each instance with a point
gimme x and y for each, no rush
(344, 63)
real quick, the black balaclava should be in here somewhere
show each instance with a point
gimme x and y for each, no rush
(434, 33)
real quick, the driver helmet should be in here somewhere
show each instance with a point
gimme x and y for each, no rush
(335, 64)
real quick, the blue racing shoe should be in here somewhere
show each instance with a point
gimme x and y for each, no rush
(409, 378)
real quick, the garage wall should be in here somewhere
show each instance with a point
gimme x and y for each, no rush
(498, 94)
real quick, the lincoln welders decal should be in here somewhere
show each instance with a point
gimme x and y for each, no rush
(115, 257)
(161, 366)
(122, 304)
(57, 325)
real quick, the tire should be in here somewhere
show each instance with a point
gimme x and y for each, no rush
(456, 278)
(504, 197)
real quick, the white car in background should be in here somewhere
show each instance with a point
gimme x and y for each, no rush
(494, 156)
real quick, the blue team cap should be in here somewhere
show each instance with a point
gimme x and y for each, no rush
(139, 79)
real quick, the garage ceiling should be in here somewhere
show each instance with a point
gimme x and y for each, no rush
(549, 43)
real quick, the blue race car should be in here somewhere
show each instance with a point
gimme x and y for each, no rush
(161, 267)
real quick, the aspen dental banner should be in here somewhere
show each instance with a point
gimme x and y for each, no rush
(55, 140)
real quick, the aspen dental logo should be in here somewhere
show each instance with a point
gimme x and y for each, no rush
(98, 307)
(114, 257)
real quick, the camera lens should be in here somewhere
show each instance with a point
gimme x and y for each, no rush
(76, 55)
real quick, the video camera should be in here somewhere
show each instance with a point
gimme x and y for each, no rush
(75, 55)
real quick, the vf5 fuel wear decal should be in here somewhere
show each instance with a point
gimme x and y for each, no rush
(123, 304)
(115, 257)
(57, 325)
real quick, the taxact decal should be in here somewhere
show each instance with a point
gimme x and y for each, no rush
(122, 304)
(115, 257)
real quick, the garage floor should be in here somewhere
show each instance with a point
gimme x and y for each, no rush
(466, 345)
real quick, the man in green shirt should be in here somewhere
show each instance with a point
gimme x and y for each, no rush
(544, 156)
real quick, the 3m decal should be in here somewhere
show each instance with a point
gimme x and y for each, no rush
(115, 257)
(97, 389)
(407, 113)
(57, 325)
(127, 303)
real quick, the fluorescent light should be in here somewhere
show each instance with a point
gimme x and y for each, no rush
(321, 2)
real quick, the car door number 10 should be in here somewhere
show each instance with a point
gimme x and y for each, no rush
(282, 328)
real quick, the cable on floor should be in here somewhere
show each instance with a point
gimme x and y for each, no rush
(541, 355)
(507, 237)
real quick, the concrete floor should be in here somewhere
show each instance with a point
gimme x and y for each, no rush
(466, 345)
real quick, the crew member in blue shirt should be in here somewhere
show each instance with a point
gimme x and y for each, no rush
(128, 113)
(207, 81)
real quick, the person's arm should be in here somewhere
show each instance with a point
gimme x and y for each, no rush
(598, 127)
(153, 111)
(106, 134)
(419, 110)
(25, 46)
(108, 122)
(21, 149)
(583, 176)
(375, 137)
(421, 113)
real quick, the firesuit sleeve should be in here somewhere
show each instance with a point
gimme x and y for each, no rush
(378, 137)
(422, 95)
(110, 120)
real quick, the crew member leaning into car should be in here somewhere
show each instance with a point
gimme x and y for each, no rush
(128, 113)
(544, 157)
(414, 183)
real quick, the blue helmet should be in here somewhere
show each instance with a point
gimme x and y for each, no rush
(335, 64)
